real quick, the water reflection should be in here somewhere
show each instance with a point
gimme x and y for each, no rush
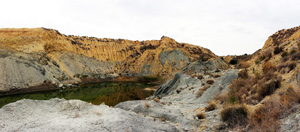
(111, 93)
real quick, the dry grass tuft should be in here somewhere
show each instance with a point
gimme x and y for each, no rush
(243, 74)
(268, 67)
(156, 100)
(211, 106)
(147, 105)
(217, 76)
(200, 115)
(162, 119)
(201, 90)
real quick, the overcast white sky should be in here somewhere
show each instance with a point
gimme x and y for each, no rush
(227, 27)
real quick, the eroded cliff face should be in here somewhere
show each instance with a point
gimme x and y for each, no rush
(31, 57)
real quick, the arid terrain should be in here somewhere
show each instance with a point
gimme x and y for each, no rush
(198, 90)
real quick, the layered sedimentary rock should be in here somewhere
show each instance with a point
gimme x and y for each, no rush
(31, 57)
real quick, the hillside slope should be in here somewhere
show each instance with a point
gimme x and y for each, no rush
(268, 85)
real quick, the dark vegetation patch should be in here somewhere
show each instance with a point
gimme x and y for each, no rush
(235, 115)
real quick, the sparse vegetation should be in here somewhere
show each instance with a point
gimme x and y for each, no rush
(265, 117)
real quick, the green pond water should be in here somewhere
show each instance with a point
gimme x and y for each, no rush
(111, 93)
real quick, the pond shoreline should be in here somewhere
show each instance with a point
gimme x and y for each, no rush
(49, 86)
(111, 93)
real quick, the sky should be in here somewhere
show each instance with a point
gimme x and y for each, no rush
(226, 27)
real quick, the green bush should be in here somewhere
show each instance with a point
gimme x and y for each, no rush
(233, 61)
(277, 50)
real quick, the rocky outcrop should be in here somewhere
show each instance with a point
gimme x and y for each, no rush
(45, 55)
(179, 104)
(74, 116)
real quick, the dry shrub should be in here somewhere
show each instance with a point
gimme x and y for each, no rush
(268, 67)
(243, 74)
(162, 119)
(269, 87)
(242, 64)
(284, 59)
(277, 50)
(267, 54)
(284, 54)
(296, 56)
(290, 96)
(217, 76)
(281, 68)
(199, 77)
(200, 115)
(201, 90)
(292, 66)
(147, 105)
(178, 91)
(156, 100)
(210, 81)
(237, 89)
(235, 115)
(217, 70)
(222, 97)
(211, 106)
(266, 117)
